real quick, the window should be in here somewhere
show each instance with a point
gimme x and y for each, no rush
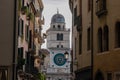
(109, 76)
(20, 27)
(80, 43)
(52, 65)
(27, 33)
(61, 46)
(20, 58)
(89, 5)
(75, 15)
(117, 76)
(57, 46)
(100, 7)
(117, 35)
(48, 78)
(36, 31)
(30, 39)
(3, 73)
(59, 36)
(88, 39)
(27, 65)
(99, 75)
(53, 26)
(100, 40)
(106, 38)
(75, 47)
(59, 26)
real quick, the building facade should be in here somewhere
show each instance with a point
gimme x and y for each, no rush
(21, 39)
(58, 42)
(81, 38)
(99, 35)
(8, 41)
(30, 38)
(106, 30)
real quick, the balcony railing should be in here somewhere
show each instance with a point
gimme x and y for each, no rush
(101, 8)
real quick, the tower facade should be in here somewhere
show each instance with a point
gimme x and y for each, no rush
(58, 42)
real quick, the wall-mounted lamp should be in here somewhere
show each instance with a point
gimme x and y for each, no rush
(66, 54)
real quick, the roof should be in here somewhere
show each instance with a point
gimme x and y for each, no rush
(58, 18)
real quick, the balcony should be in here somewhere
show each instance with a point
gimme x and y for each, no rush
(24, 9)
(41, 21)
(101, 12)
(101, 8)
(38, 13)
(29, 16)
(36, 35)
(31, 2)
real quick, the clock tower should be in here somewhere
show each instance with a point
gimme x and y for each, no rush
(58, 42)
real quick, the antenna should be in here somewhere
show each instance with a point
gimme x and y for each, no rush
(57, 11)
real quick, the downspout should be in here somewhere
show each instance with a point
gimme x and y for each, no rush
(92, 45)
(14, 42)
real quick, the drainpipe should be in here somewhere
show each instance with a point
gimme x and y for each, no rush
(14, 42)
(92, 45)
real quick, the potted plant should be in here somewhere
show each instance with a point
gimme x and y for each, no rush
(23, 10)
(29, 16)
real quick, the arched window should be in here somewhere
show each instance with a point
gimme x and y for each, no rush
(61, 36)
(106, 38)
(57, 46)
(61, 46)
(100, 40)
(59, 26)
(3, 74)
(117, 35)
(99, 75)
(53, 26)
(20, 27)
(58, 36)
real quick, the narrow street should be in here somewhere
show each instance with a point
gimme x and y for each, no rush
(60, 40)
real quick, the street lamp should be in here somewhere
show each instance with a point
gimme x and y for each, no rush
(66, 54)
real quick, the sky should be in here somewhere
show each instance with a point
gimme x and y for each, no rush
(50, 8)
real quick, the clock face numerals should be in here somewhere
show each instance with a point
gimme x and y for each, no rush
(59, 59)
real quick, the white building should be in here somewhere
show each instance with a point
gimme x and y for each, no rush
(58, 42)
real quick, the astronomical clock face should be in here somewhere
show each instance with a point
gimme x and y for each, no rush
(59, 59)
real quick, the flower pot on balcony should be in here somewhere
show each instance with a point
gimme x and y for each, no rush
(29, 16)
(23, 10)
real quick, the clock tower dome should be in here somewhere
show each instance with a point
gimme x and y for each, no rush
(58, 42)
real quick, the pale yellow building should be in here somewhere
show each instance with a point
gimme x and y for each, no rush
(106, 36)
(100, 52)
(81, 41)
